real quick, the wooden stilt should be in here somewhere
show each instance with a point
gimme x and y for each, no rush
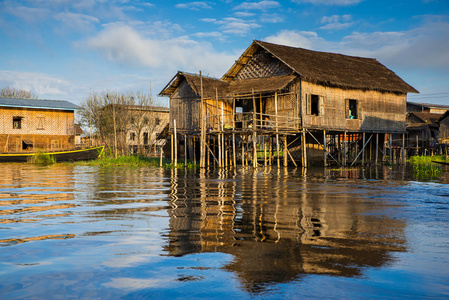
(176, 143)
(304, 148)
(391, 147)
(185, 149)
(403, 149)
(265, 151)
(325, 148)
(233, 134)
(363, 148)
(277, 127)
(285, 152)
(203, 127)
(377, 147)
(345, 148)
(172, 149)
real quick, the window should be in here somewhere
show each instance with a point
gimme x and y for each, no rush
(145, 138)
(352, 109)
(315, 105)
(40, 123)
(17, 122)
(132, 136)
(54, 144)
(158, 121)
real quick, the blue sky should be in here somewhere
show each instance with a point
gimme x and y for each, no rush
(64, 49)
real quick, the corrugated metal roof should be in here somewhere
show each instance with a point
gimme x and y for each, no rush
(38, 103)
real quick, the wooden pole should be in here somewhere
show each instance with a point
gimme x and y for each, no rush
(285, 152)
(176, 143)
(325, 148)
(363, 148)
(254, 132)
(304, 148)
(391, 149)
(345, 149)
(171, 148)
(233, 133)
(203, 129)
(185, 149)
(277, 127)
(403, 149)
(377, 147)
(115, 130)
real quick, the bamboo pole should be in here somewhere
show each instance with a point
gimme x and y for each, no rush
(171, 148)
(285, 152)
(233, 133)
(377, 147)
(363, 148)
(344, 148)
(325, 148)
(185, 149)
(277, 127)
(176, 143)
(203, 130)
(391, 149)
(254, 132)
(304, 148)
(115, 130)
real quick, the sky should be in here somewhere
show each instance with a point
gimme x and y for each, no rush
(65, 49)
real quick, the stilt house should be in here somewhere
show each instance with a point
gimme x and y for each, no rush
(319, 104)
(30, 124)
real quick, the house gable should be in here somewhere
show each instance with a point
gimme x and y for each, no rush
(263, 64)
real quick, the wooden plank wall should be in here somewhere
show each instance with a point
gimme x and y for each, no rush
(380, 112)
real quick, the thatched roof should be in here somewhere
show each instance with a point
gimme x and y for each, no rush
(212, 86)
(328, 68)
(425, 117)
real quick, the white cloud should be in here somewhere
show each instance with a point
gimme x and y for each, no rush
(422, 47)
(302, 39)
(262, 5)
(272, 18)
(236, 25)
(78, 21)
(194, 5)
(330, 2)
(41, 84)
(124, 45)
(243, 14)
(336, 22)
(138, 283)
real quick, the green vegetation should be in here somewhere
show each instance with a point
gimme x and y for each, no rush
(108, 160)
(424, 160)
(42, 158)
(424, 169)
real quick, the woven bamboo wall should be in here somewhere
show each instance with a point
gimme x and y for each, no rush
(46, 129)
(185, 109)
(379, 112)
(262, 64)
(39, 122)
(14, 142)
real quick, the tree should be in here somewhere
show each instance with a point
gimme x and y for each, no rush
(16, 93)
(115, 115)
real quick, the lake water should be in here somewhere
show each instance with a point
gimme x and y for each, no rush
(134, 233)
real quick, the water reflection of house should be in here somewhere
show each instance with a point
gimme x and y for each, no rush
(276, 235)
(33, 201)
(282, 94)
(27, 124)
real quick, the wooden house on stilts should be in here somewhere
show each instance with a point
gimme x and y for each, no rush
(291, 105)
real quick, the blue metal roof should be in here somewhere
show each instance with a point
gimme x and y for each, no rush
(38, 104)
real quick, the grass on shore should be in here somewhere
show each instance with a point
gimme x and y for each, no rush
(41, 158)
(133, 161)
(424, 169)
